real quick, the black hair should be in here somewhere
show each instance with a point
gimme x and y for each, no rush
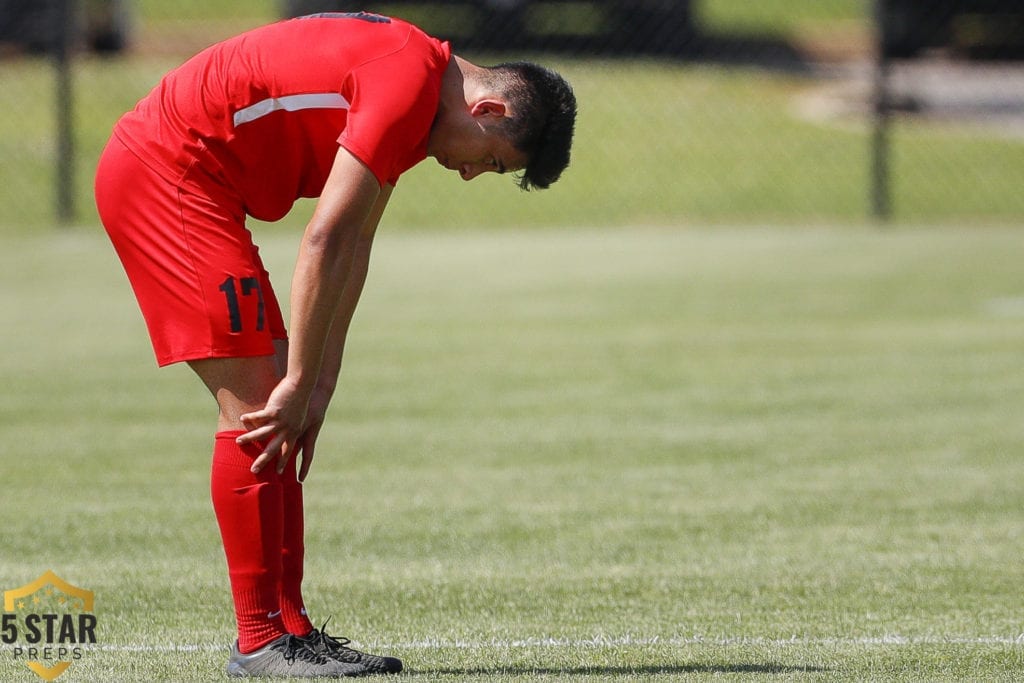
(542, 120)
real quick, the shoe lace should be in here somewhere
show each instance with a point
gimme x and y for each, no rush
(338, 647)
(296, 648)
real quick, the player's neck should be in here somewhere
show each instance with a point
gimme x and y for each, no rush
(461, 84)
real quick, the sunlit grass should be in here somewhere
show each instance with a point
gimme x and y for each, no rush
(598, 454)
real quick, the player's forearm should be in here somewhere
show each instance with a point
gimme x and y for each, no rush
(324, 265)
(322, 271)
(335, 348)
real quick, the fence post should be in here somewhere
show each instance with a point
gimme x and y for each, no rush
(63, 31)
(881, 206)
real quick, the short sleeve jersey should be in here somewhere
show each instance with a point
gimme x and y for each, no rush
(263, 113)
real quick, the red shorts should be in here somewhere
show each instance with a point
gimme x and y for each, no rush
(191, 261)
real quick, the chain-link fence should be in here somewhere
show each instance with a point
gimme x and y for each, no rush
(692, 112)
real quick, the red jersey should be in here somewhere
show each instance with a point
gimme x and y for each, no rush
(263, 113)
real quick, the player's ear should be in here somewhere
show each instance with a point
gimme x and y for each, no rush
(489, 107)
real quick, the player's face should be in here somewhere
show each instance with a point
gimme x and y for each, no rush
(473, 157)
(474, 145)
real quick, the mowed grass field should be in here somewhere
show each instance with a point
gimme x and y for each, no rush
(658, 141)
(634, 454)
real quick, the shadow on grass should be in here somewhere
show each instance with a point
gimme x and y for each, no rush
(627, 670)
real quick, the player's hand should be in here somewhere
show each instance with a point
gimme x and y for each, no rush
(315, 416)
(279, 425)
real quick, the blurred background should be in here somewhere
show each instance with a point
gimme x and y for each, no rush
(692, 112)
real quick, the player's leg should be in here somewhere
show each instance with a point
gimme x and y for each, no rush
(242, 385)
(293, 607)
(249, 507)
(259, 518)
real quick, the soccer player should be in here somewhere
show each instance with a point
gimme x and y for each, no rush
(335, 106)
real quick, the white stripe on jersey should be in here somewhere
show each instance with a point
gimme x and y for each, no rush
(320, 100)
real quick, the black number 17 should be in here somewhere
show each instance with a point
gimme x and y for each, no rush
(249, 285)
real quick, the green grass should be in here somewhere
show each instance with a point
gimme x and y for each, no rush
(771, 16)
(783, 18)
(208, 10)
(657, 143)
(596, 454)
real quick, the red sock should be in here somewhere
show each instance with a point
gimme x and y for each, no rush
(293, 609)
(249, 512)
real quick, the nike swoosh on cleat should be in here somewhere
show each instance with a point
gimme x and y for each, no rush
(271, 615)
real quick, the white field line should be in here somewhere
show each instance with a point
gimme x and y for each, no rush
(601, 642)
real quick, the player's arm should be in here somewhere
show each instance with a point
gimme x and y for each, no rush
(331, 366)
(324, 266)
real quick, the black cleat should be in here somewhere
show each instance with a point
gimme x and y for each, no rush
(338, 650)
(289, 656)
